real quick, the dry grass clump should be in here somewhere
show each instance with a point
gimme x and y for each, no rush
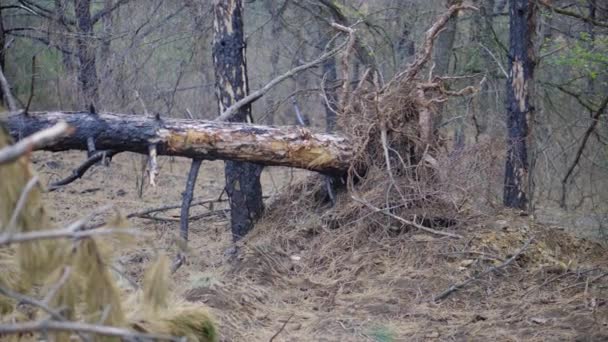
(73, 277)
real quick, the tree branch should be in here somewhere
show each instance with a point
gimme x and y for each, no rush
(402, 220)
(83, 168)
(594, 121)
(63, 233)
(427, 48)
(6, 90)
(102, 13)
(573, 14)
(230, 111)
(42, 326)
(457, 287)
(34, 141)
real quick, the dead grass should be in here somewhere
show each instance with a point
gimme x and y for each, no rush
(365, 278)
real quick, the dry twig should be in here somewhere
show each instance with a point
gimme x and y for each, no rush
(42, 326)
(230, 111)
(408, 222)
(63, 233)
(12, 223)
(6, 90)
(458, 286)
(34, 141)
(282, 328)
(83, 168)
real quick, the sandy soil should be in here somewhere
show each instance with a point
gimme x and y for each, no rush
(324, 284)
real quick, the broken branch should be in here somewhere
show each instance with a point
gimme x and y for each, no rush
(82, 169)
(36, 140)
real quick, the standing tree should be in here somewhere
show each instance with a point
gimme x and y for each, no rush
(242, 179)
(87, 71)
(522, 26)
(2, 46)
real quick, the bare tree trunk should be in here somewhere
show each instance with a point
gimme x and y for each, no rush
(592, 6)
(406, 48)
(62, 40)
(106, 44)
(275, 30)
(483, 25)
(442, 55)
(329, 70)
(2, 53)
(522, 17)
(330, 74)
(87, 70)
(242, 179)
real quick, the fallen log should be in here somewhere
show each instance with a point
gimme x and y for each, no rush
(209, 140)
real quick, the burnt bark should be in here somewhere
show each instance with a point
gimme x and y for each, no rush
(87, 69)
(519, 108)
(207, 140)
(242, 179)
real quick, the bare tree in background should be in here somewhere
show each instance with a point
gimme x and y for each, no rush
(522, 25)
(242, 179)
(2, 52)
(87, 70)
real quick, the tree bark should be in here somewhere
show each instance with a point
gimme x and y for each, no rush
(482, 26)
(442, 55)
(62, 40)
(242, 179)
(208, 140)
(2, 54)
(519, 109)
(275, 11)
(87, 70)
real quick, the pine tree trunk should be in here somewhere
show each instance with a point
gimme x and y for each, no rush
(519, 109)
(242, 179)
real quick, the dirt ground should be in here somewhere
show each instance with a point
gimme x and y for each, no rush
(308, 281)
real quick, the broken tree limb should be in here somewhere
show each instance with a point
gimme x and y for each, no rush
(34, 140)
(187, 198)
(82, 169)
(6, 91)
(207, 140)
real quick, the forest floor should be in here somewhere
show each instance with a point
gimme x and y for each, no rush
(324, 284)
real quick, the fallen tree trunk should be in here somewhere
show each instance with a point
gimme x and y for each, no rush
(266, 145)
